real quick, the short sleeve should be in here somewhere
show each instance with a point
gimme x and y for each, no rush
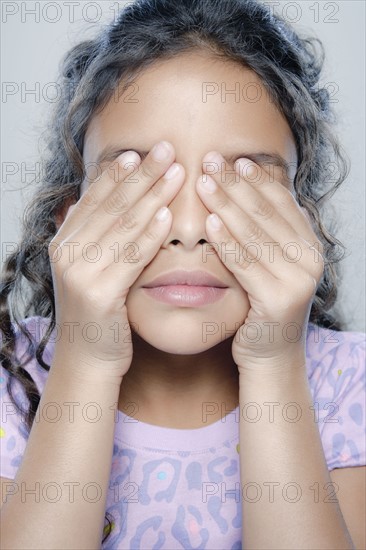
(340, 400)
(13, 431)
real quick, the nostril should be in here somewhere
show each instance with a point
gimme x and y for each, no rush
(175, 241)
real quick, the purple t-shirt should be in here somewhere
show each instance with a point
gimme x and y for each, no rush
(178, 488)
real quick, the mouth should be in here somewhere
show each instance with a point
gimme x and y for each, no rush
(186, 288)
(187, 278)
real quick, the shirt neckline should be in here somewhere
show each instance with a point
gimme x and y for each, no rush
(143, 435)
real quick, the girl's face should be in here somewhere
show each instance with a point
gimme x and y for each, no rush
(199, 105)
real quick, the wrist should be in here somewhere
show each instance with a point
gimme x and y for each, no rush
(270, 371)
(279, 387)
(290, 360)
(86, 370)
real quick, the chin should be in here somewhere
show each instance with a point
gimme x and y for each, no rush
(177, 340)
(182, 330)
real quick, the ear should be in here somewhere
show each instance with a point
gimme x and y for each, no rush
(61, 214)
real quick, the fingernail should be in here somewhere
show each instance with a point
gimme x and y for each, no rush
(215, 158)
(160, 151)
(129, 157)
(163, 214)
(246, 168)
(207, 184)
(214, 221)
(173, 171)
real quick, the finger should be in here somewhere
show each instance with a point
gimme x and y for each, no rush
(129, 226)
(105, 200)
(124, 166)
(250, 185)
(271, 240)
(251, 274)
(118, 188)
(130, 260)
(260, 284)
(280, 193)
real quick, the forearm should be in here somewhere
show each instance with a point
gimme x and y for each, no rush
(68, 454)
(286, 502)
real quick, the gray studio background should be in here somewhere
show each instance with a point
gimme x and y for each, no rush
(32, 45)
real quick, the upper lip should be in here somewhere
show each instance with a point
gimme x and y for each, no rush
(191, 278)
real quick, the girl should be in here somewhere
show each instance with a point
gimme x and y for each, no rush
(177, 372)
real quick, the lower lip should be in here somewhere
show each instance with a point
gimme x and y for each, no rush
(186, 295)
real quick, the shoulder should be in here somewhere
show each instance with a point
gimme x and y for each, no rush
(26, 344)
(332, 345)
(35, 328)
(335, 356)
(24, 364)
(14, 402)
(24, 352)
(336, 366)
(24, 359)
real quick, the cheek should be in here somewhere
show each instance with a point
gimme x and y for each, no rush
(186, 330)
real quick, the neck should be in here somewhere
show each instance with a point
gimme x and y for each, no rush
(179, 391)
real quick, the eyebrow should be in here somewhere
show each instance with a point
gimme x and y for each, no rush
(110, 153)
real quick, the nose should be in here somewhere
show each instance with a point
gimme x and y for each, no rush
(189, 213)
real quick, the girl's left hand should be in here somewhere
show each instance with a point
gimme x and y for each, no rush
(279, 270)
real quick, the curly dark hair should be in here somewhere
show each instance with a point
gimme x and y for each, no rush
(146, 31)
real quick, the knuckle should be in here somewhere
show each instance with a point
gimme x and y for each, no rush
(117, 202)
(253, 231)
(151, 235)
(245, 262)
(132, 253)
(125, 223)
(222, 202)
(231, 182)
(287, 200)
(89, 200)
(263, 209)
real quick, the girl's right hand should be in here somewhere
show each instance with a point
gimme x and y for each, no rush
(104, 243)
